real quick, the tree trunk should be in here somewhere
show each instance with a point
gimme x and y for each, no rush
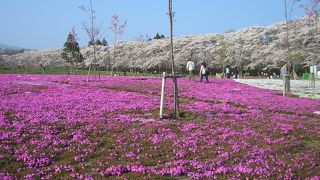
(114, 49)
(175, 90)
(92, 37)
(313, 83)
(288, 45)
(72, 68)
(223, 66)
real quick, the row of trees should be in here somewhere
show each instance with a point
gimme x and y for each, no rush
(10, 52)
(312, 11)
(244, 49)
(104, 42)
(239, 52)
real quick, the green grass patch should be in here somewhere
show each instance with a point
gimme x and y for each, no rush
(66, 71)
(9, 165)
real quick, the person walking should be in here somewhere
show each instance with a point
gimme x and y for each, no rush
(190, 68)
(284, 73)
(204, 72)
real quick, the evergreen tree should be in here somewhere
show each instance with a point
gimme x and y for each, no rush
(98, 42)
(157, 36)
(104, 42)
(71, 51)
(90, 43)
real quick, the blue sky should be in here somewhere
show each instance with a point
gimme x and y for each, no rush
(40, 24)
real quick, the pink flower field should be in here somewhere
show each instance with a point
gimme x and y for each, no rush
(61, 127)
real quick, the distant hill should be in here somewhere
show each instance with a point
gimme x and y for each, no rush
(5, 46)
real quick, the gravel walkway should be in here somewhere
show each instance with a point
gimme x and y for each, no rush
(298, 87)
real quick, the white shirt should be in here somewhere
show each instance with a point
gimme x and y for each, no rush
(203, 70)
(227, 70)
(190, 65)
(283, 71)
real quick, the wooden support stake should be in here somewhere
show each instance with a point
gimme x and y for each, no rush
(88, 76)
(162, 95)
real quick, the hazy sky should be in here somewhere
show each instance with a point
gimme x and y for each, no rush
(40, 24)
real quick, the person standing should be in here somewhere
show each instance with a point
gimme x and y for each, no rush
(274, 75)
(236, 73)
(204, 72)
(284, 73)
(190, 68)
(227, 72)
